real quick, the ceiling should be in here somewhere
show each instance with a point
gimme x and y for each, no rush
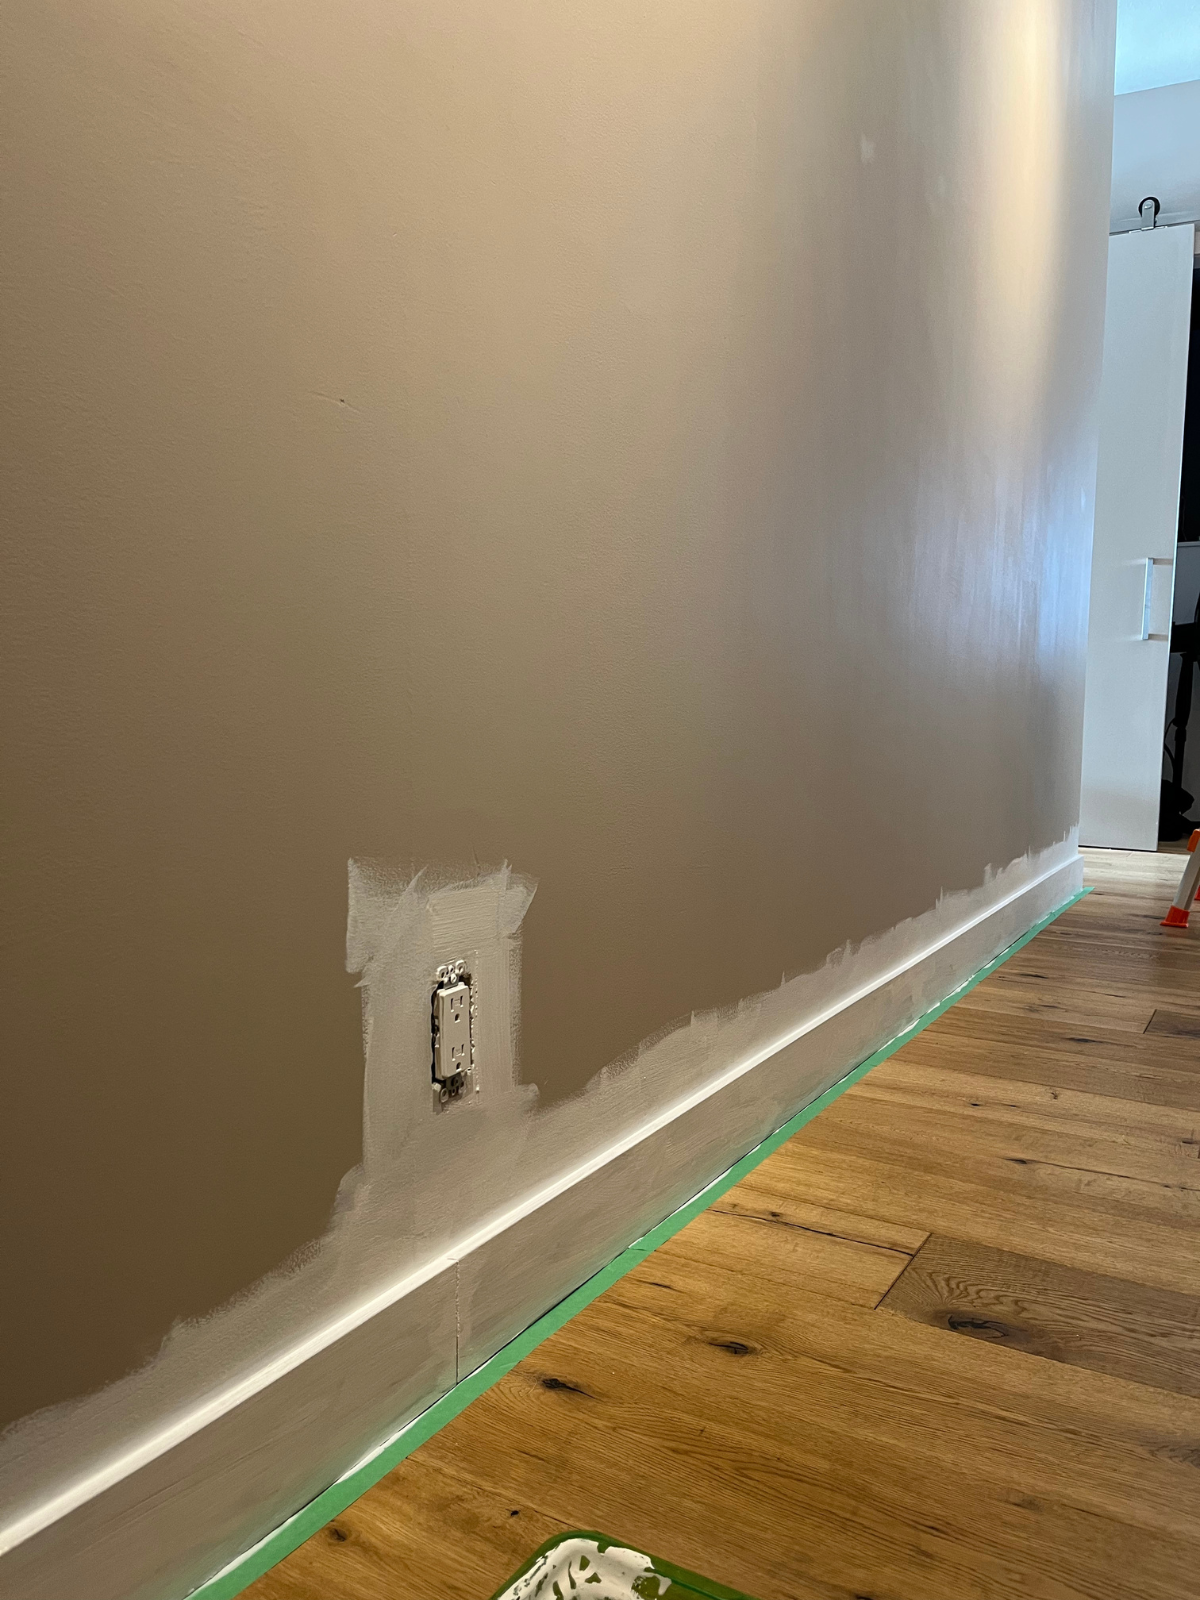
(1158, 42)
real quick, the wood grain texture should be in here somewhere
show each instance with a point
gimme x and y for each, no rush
(361, 1551)
(1170, 1079)
(758, 1196)
(1180, 1024)
(786, 1254)
(749, 1404)
(1106, 1324)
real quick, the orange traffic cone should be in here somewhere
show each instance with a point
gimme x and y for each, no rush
(1177, 916)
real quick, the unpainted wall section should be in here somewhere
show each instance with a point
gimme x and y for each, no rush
(651, 445)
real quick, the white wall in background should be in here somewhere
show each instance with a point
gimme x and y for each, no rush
(1156, 150)
(1158, 42)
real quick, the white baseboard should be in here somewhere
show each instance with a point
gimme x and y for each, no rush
(169, 1525)
(159, 1529)
(519, 1271)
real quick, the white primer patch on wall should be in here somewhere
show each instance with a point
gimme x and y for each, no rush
(433, 1189)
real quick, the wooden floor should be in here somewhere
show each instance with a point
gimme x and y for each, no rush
(943, 1345)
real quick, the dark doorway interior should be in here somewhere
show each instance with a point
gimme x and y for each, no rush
(1181, 780)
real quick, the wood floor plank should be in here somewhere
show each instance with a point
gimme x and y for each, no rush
(1110, 971)
(774, 1398)
(1132, 1081)
(756, 1197)
(1085, 1180)
(1101, 1430)
(1083, 1007)
(588, 1481)
(1134, 929)
(1156, 959)
(1120, 868)
(1169, 1174)
(1117, 1048)
(1059, 1313)
(785, 1253)
(428, 1530)
(1136, 923)
(1109, 980)
(1164, 959)
(1180, 1024)
(1128, 960)
(976, 1096)
(1079, 1219)
(822, 1467)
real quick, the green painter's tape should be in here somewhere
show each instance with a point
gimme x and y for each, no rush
(345, 1491)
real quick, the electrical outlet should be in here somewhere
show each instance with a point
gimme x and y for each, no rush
(450, 1023)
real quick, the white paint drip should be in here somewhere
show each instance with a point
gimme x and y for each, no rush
(500, 1151)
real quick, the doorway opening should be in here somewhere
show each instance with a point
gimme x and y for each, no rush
(1143, 405)
(1181, 736)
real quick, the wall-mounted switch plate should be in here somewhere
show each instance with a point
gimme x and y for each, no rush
(453, 1052)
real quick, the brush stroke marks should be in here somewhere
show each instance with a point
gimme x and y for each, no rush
(434, 1190)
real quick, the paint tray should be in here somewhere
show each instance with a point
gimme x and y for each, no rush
(588, 1566)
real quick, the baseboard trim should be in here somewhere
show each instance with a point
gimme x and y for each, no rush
(306, 1429)
(292, 1533)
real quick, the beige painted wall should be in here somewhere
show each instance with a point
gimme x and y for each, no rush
(651, 444)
